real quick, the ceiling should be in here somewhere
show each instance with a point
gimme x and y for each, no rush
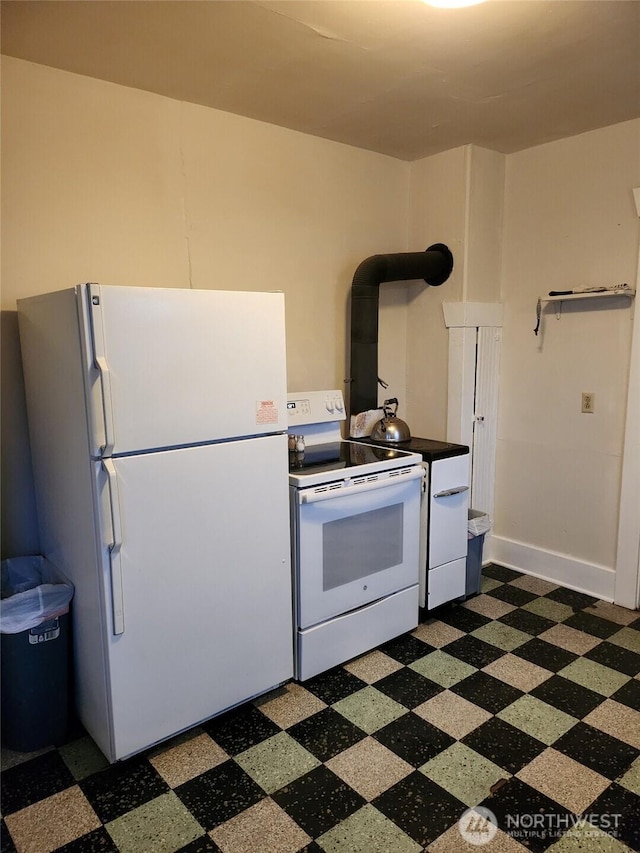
(393, 76)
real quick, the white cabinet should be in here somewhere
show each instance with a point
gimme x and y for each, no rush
(444, 531)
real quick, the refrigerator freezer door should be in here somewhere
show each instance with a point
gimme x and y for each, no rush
(206, 585)
(177, 367)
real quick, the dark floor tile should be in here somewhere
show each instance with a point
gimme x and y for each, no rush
(420, 808)
(6, 842)
(512, 595)
(240, 729)
(413, 739)
(500, 573)
(617, 800)
(98, 841)
(122, 787)
(526, 621)
(33, 780)
(334, 685)
(503, 744)
(590, 624)
(635, 625)
(545, 654)
(571, 597)
(527, 815)
(461, 617)
(629, 694)
(326, 733)
(616, 658)
(572, 698)
(408, 687)
(406, 649)
(473, 651)
(486, 691)
(219, 794)
(597, 750)
(318, 801)
(204, 844)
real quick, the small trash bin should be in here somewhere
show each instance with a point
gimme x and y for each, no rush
(34, 622)
(478, 525)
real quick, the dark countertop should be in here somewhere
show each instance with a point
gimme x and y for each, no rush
(428, 448)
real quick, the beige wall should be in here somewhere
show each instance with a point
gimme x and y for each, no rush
(570, 222)
(109, 184)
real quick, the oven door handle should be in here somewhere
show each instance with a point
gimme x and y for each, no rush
(310, 496)
(448, 492)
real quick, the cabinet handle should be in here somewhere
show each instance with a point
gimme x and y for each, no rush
(448, 492)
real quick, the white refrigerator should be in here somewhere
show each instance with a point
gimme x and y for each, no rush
(157, 420)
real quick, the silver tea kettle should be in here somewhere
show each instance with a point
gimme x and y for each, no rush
(390, 428)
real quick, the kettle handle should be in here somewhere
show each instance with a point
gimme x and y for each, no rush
(387, 405)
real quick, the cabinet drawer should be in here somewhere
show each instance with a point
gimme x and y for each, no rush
(448, 509)
(446, 583)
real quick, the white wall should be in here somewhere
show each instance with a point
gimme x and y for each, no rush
(570, 222)
(109, 184)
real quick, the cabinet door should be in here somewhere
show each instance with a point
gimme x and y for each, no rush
(448, 509)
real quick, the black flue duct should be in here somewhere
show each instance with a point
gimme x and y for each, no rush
(433, 265)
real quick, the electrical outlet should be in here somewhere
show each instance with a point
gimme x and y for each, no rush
(588, 402)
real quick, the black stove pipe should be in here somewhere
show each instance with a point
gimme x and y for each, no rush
(434, 266)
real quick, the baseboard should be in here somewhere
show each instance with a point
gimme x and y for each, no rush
(589, 578)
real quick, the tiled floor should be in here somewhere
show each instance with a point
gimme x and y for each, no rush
(524, 700)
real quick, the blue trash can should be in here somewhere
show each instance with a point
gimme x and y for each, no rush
(35, 652)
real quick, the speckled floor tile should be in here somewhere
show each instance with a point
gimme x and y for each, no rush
(613, 612)
(616, 657)
(453, 714)
(34, 780)
(437, 634)
(369, 709)
(587, 838)
(585, 621)
(464, 773)
(564, 780)
(162, 825)
(597, 750)
(187, 758)
(617, 800)
(631, 779)
(123, 787)
(535, 585)
(406, 648)
(489, 606)
(503, 744)
(264, 826)
(369, 768)
(452, 842)
(594, 676)
(318, 801)
(367, 831)
(333, 685)
(486, 692)
(474, 651)
(512, 595)
(83, 757)
(408, 687)
(52, 822)
(628, 638)
(276, 761)
(289, 705)
(572, 597)
(326, 733)
(487, 584)
(570, 639)
(442, 668)
(413, 739)
(568, 696)
(420, 807)
(537, 719)
(502, 636)
(549, 609)
(517, 672)
(617, 720)
(372, 666)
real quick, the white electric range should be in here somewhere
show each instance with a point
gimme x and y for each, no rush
(355, 520)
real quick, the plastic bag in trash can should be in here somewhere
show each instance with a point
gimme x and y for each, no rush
(33, 590)
(478, 523)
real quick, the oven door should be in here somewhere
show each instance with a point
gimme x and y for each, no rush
(355, 544)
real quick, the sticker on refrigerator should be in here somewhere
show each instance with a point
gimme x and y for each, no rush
(266, 412)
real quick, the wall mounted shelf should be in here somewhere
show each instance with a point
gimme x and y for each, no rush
(600, 294)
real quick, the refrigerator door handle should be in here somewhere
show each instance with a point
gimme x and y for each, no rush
(117, 597)
(100, 360)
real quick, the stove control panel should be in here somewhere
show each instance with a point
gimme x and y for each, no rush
(315, 407)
